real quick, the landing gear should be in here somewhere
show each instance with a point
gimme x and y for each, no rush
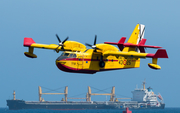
(101, 64)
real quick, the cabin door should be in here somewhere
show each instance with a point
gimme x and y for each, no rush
(80, 62)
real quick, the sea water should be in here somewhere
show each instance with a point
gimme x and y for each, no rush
(166, 110)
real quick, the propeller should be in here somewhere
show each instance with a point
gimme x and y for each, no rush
(93, 46)
(101, 62)
(60, 43)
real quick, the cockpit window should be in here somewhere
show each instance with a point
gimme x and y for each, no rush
(74, 55)
(71, 55)
(62, 54)
(66, 54)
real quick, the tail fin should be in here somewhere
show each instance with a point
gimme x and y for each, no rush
(136, 36)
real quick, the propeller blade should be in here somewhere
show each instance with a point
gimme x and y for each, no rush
(56, 49)
(98, 48)
(95, 39)
(93, 46)
(58, 38)
(88, 44)
(60, 43)
(65, 40)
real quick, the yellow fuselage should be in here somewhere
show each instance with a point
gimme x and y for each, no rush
(89, 62)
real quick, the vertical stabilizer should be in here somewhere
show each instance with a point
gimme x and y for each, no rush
(136, 36)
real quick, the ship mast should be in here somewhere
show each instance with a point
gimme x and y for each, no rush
(14, 95)
(144, 84)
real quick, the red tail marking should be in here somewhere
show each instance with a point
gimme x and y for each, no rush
(122, 40)
(28, 41)
(142, 42)
(121, 43)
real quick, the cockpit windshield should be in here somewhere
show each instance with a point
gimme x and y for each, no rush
(70, 55)
(66, 55)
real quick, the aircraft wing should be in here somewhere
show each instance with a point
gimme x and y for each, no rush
(67, 46)
(161, 53)
(125, 54)
(29, 42)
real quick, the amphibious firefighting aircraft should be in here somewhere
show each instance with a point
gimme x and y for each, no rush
(76, 58)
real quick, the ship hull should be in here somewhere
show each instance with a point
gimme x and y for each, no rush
(21, 104)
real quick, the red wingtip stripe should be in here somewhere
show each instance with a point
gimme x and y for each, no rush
(161, 53)
(28, 41)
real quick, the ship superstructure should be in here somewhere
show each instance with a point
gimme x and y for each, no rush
(142, 99)
(146, 97)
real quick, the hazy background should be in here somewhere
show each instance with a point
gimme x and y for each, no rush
(81, 20)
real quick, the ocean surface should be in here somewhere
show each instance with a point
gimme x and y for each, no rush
(166, 110)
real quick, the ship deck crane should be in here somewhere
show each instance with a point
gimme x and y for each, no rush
(65, 93)
(112, 94)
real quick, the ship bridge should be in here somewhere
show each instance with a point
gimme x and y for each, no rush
(144, 95)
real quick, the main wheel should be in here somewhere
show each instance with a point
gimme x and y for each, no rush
(101, 63)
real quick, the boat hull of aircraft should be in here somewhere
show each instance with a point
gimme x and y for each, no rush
(85, 63)
(73, 70)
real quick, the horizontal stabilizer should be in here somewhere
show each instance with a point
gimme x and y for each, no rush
(141, 45)
(120, 44)
(121, 41)
(143, 41)
(28, 42)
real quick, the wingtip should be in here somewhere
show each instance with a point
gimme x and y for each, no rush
(161, 53)
(28, 41)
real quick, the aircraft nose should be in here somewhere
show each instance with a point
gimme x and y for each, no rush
(57, 62)
(60, 60)
(60, 65)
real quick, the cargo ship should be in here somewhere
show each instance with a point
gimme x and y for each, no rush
(142, 99)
